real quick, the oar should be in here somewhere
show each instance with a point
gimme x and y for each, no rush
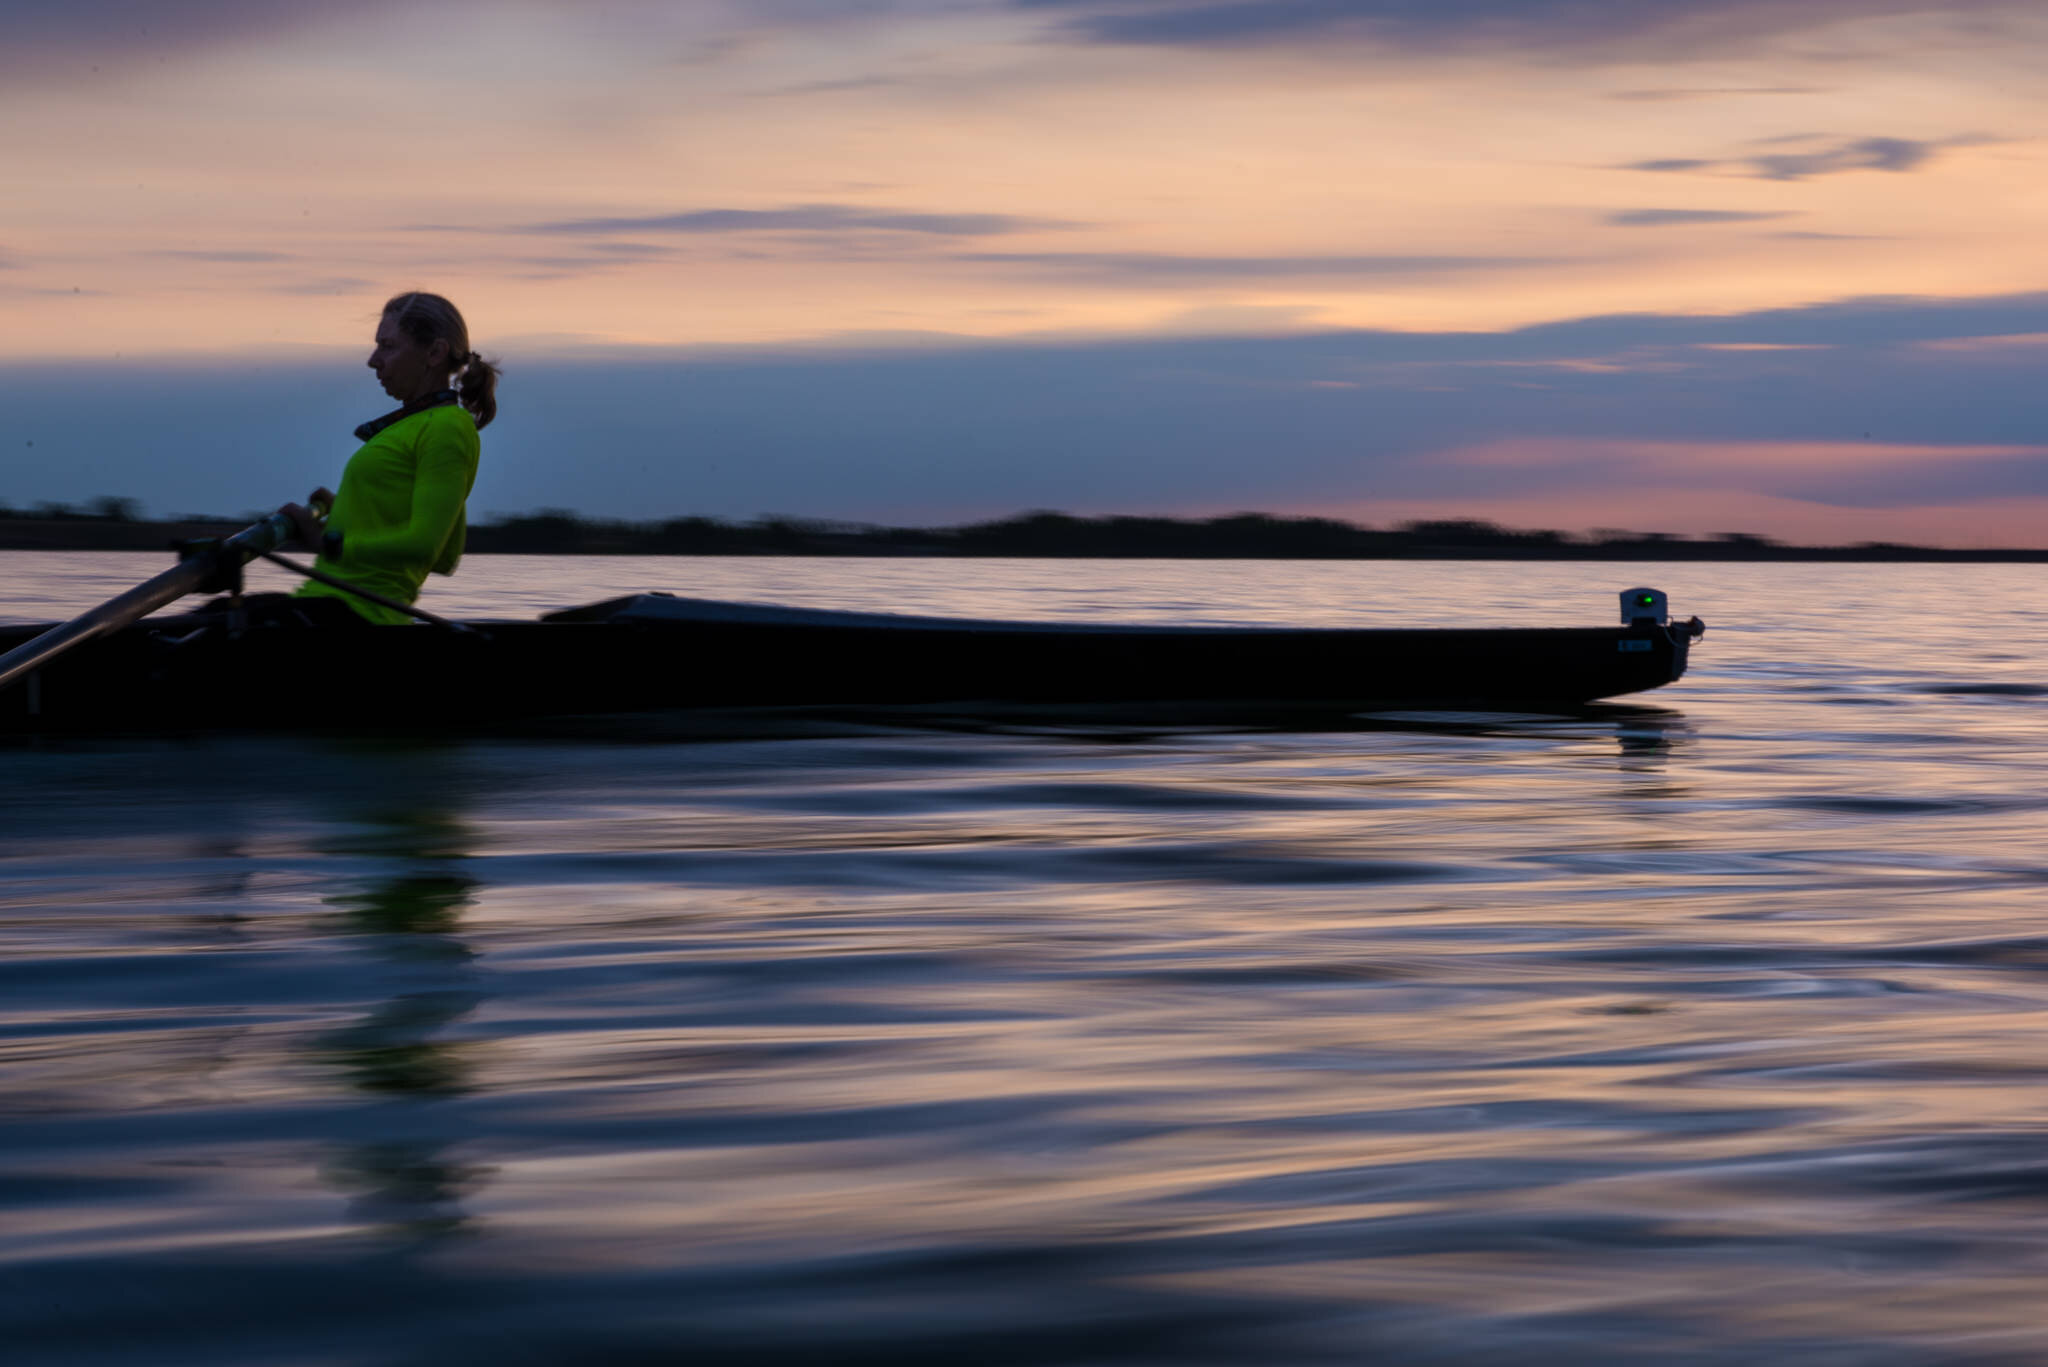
(187, 576)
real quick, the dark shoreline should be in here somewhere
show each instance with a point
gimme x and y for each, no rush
(1250, 536)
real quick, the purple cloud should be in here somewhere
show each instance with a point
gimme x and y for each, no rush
(63, 40)
(1552, 28)
(1822, 158)
(1138, 425)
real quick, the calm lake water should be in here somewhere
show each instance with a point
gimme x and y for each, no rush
(1712, 1031)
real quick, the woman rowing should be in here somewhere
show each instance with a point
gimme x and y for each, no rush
(399, 514)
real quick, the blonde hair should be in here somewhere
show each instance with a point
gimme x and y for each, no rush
(429, 318)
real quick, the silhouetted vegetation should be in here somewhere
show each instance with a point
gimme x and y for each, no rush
(113, 524)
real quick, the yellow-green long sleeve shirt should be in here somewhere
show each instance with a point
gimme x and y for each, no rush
(400, 509)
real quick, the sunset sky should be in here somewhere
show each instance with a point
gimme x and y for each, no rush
(1688, 265)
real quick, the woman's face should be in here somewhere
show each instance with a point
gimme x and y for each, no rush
(407, 368)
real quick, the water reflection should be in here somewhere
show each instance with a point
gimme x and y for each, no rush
(405, 1189)
(1695, 1032)
(1648, 737)
(421, 913)
(406, 1183)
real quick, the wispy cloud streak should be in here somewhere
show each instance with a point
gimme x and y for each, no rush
(806, 218)
(1668, 94)
(1150, 266)
(222, 257)
(1854, 154)
(1667, 218)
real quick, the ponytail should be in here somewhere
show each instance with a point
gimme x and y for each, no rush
(479, 389)
(430, 318)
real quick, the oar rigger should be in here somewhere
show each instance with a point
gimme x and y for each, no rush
(223, 567)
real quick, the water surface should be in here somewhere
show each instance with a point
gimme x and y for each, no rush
(1704, 1031)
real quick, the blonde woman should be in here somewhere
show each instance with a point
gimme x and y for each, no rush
(400, 511)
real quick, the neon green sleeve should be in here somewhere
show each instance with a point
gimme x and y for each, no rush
(446, 464)
(399, 510)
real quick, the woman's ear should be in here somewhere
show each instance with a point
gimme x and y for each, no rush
(437, 355)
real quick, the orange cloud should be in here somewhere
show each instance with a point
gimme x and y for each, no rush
(1725, 460)
(2018, 341)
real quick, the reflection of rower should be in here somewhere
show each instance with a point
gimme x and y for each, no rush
(391, 1051)
(426, 907)
(403, 1181)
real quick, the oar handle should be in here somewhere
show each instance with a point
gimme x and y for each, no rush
(174, 583)
(267, 535)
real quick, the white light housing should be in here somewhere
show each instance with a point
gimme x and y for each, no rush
(1636, 604)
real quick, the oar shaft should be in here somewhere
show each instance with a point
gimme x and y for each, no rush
(335, 581)
(140, 601)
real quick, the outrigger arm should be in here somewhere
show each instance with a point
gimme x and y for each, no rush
(198, 572)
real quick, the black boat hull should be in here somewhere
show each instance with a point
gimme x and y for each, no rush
(657, 653)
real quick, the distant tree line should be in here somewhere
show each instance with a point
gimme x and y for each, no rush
(106, 508)
(111, 523)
